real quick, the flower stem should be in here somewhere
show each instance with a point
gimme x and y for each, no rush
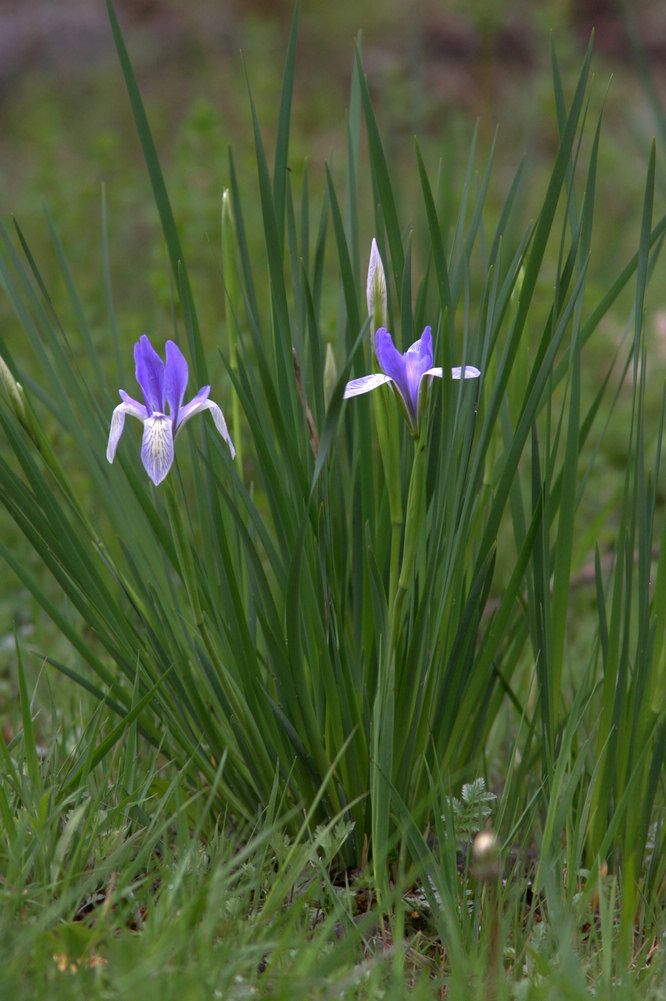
(388, 435)
(384, 704)
(183, 552)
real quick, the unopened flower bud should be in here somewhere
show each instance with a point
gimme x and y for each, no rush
(14, 391)
(330, 374)
(376, 291)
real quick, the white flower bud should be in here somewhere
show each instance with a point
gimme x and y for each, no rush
(376, 291)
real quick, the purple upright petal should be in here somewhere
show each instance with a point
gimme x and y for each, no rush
(390, 360)
(417, 359)
(175, 379)
(150, 375)
(133, 406)
(406, 370)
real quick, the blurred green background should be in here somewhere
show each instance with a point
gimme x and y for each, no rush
(436, 69)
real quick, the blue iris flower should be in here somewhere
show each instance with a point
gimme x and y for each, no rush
(163, 385)
(407, 373)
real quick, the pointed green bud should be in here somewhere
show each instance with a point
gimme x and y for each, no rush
(376, 291)
(229, 265)
(330, 374)
(14, 391)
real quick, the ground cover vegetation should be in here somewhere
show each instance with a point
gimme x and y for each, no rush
(344, 677)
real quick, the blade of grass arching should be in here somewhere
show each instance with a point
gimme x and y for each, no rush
(87, 685)
(506, 215)
(61, 546)
(569, 496)
(6, 812)
(406, 298)
(53, 322)
(350, 291)
(281, 327)
(241, 241)
(356, 332)
(457, 239)
(353, 149)
(494, 635)
(615, 665)
(57, 617)
(319, 256)
(439, 256)
(284, 494)
(534, 394)
(644, 247)
(129, 760)
(658, 682)
(644, 68)
(539, 605)
(333, 414)
(561, 111)
(567, 772)
(29, 745)
(640, 723)
(70, 588)
(598, 313)
(93, 758)
(280, 174)
(293, 611)
(58, 370)
(646, 793)
(529, 279)
(109, 293)
(382, 179)
(475, 227)
(317, 363)
(298, 255)
(174, 249)
(77, 305)
(436, 879)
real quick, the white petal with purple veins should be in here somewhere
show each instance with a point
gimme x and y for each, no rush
(365, 384)
(157, 447)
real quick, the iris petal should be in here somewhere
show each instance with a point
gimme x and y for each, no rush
(407, 372)
(150, 375)
(365, 384)
(128, 406)
(161, 384)
(157, 447)
(175, 378)
(195, 406)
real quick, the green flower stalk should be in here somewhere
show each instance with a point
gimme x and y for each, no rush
(409, 376)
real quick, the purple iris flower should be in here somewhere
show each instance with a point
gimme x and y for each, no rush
(406, 372)
(161, 384)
